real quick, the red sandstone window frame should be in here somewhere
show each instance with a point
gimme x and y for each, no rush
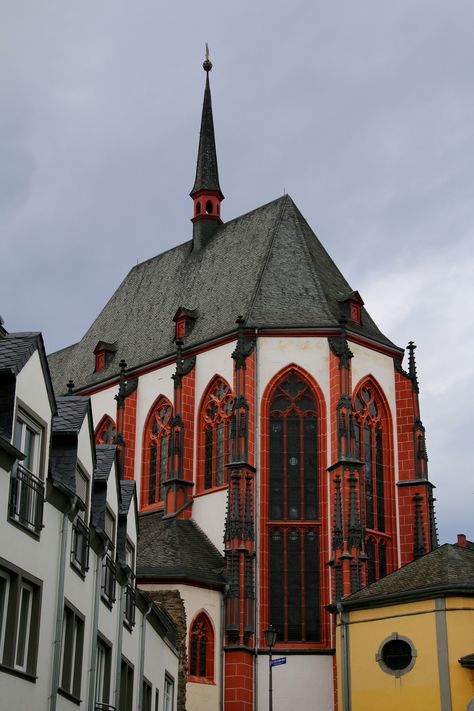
(215, 412)
(106, 431)
(319, 525)
(156, 420)
(374, 535)
(201, 641)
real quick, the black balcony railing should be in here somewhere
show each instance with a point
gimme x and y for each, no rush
(27, 499)
(104, 707)
(80, 546)
(108, 579)
(129, 610)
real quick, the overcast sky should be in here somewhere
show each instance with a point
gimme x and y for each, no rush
(362, 110)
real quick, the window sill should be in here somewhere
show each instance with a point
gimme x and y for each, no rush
(78, 570)
(201, 680)
(16, 672)
(68, 695)
(221, 487)
(30, 531)
(107, 601)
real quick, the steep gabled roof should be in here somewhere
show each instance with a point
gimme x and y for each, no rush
(16, 350)
(72, 410)
(177, 549)
(267, 265)
(447, 570)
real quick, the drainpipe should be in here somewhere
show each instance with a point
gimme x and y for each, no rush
(60, 605)
(345, 664)
(222, 640)
(257, 525)
(118, 646)
(142, 654)
(95, 623)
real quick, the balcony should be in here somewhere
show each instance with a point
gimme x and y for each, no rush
(26, 499)
(103, 707)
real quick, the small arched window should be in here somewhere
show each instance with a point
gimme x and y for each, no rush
(201, 650)
(216, 411)
(209, 207)
(105, 431)
(370, 431)
(198, 207)
(155, 452)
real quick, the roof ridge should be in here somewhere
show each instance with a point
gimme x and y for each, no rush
(271, 241)
(313, 269)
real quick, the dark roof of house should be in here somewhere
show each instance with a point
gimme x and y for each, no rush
(177, 549)
(127, 490)
(106, 454)
(72, 410)
(15, 351)
(447, 570)
(266, 265)
(105, 459)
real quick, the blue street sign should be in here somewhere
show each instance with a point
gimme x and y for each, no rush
(277, 662)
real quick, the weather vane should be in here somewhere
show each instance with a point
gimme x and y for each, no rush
(207, 64)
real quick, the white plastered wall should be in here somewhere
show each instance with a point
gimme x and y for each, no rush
(201, 696)
(304, 683)
(104, 403)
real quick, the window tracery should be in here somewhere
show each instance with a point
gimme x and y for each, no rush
(106, 431)
(156, 452)
(293, 526)
(216, 414)
(369, 431)
(201, 649)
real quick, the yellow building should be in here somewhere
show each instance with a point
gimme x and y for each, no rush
(406, 642)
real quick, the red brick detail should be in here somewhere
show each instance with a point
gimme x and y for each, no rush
(323, 521)
(238, 684)
(250, 397)
(405, 423)
(129, 434)
(406, 515)
(334, 683)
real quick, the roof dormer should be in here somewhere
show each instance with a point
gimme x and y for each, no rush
(103, 354)
(351, 306)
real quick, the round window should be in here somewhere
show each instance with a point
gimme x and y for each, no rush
(396, 655)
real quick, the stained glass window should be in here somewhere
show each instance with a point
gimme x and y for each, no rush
(293, 496)
(106, 431)
(201, 649)
(216, 414)
(155, 459)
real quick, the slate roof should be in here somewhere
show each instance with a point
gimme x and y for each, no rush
(177, 549)
(15, 351)
(127, 489)
(448, 569)
(266, 265)
(72, 410)
(105, 458)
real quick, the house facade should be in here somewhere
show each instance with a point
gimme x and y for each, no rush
(75, 632)
(274, 436)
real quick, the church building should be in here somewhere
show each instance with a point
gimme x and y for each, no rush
(274, 435)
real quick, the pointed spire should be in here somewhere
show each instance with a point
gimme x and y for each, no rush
(412, 365)
(207, 174)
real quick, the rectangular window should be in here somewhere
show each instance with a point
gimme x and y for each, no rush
(23, 628)
(102, 674)
(110, 526)
(208, 458)
(130, 556)
(28, 440)
(168, 694)
(108, 579)
(4, 596)
(147, 694)
(80, 546)
(152, 478)
(129, 609)
(71, 653)
(82, 491)
(20, 610)
(157, 700)
(126, 686)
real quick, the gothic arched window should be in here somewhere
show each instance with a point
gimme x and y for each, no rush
(370, 433)
(105, 431)
(294, 511)
(155, 452)
(201, 649)
(216, 411)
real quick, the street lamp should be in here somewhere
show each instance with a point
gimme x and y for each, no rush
(270, 635)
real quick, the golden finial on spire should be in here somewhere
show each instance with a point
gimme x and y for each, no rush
(207, 64)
